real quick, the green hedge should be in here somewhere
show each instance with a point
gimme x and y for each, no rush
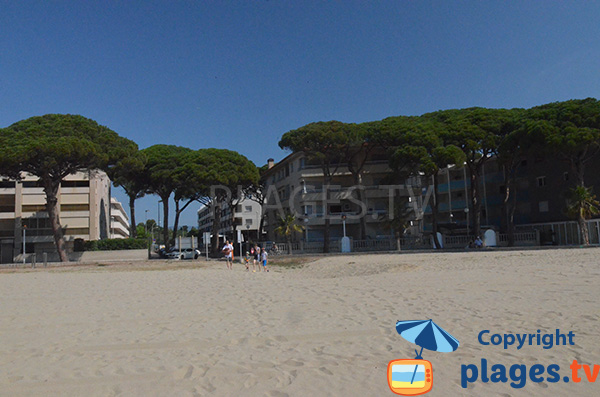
(116, 244)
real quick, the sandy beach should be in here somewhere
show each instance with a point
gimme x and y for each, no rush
(326, 328)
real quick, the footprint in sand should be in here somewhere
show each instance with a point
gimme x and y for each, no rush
(275, 393)
(184, 373)
(294, 363)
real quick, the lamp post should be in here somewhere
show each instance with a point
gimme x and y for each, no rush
(146, 222)
(306, 227)
(467, 212)
(247, 237)
(24, 229)
(344, 224)
(158, 211)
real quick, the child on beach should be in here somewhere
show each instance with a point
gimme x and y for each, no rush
(247, 261)
(263, 257)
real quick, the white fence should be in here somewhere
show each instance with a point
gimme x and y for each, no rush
(565, 233)
(520, 239)
(373, 245)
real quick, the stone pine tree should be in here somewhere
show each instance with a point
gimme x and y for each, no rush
(572, 131)
(162, 165)
(129, 174)
(226, 175)
(54, 146)
(475, 131)
(322, 142)
(423, 146)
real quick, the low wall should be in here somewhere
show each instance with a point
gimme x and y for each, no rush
(102, 256)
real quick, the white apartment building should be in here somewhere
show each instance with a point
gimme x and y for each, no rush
(295, 185)
(119, 221)
(244, 217)
(84, 210)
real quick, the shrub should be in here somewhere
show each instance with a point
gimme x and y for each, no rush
(116, 244)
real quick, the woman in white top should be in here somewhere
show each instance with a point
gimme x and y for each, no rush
(228, 252)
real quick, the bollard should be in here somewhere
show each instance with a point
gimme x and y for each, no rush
(45, 256)
(33, 260)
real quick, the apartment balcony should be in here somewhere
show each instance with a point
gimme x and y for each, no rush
(7, 215)
(120, 227)
(119, 217)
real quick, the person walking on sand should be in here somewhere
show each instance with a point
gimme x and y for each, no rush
(228, 252)
(263, 257)
(256, 260)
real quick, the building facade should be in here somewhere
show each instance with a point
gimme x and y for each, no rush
(295, 185)
(244, 216)
(83, 205)
(119, 221)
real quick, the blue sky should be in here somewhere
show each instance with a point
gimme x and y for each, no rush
(239, 74)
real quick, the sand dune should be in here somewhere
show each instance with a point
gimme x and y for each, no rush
(324, 329)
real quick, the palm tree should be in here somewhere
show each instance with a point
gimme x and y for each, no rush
(286, 227)
(582, 204)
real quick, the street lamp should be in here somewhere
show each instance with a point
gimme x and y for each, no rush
(146, 222)
(24, 229)
(158, 210)
(306, 226)
(467, 212)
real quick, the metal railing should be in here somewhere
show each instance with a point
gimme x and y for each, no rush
(520, 239)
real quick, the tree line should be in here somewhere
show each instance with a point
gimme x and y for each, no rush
(53, 146)
(422, 145)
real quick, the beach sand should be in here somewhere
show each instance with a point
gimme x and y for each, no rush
(324, 329)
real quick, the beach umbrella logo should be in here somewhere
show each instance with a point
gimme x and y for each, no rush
(411, 377)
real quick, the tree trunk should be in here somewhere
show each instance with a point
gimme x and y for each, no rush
(509, 204)
(585, 236)
(434, 212)
(511, 210)
(165, 201)
(326, 231)
(215, 227)
(176, 222)
(360, 198)
(475, 200)
(579, 168)
(51, 189)
(261, 224)
(132, 226)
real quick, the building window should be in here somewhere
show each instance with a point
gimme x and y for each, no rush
(7, 184)
(541, 181)
(524, 163)
(248, 221)
(37, 183)
(75, 184)
(248, 208)
(74, 207)
(76, 231)
(7, 203)
(566, 176)
(33, 208)
(335, 209)
(543, 206)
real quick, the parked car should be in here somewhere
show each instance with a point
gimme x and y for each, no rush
(186, 253)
